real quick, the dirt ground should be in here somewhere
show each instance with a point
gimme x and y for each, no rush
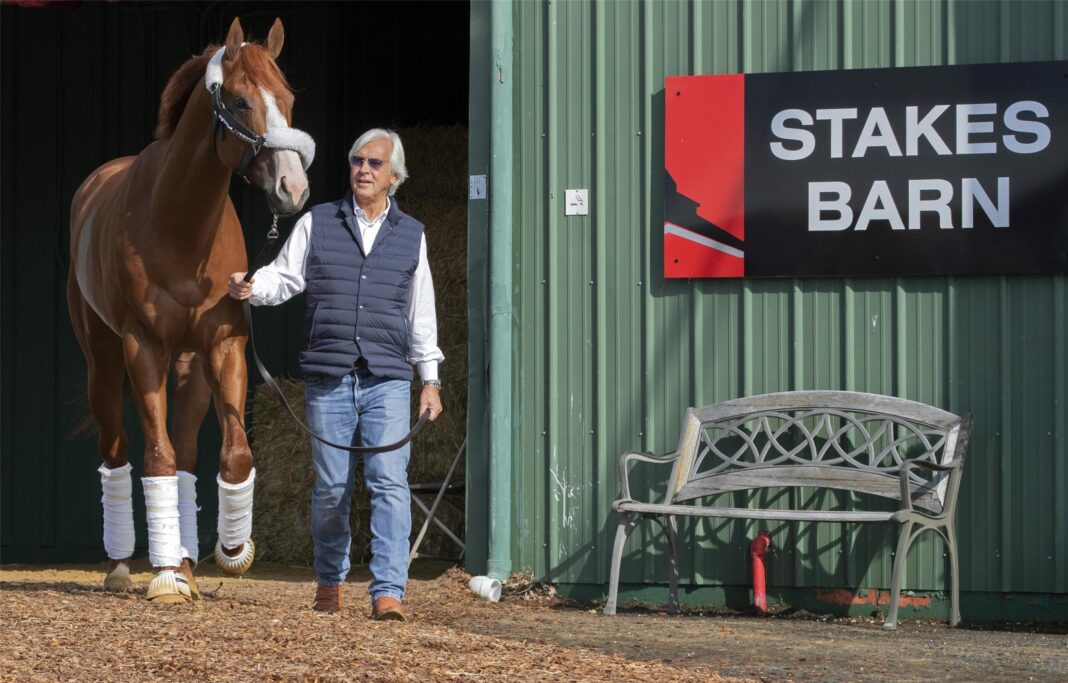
(58, 624)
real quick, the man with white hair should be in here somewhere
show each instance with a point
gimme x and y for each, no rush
(369, 317)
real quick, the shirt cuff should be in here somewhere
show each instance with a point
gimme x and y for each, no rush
(258, 297)
(428, 370)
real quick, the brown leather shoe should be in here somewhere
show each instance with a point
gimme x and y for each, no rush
(388, 608)
(327, 599)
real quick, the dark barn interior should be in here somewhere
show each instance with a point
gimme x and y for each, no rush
(80, 84)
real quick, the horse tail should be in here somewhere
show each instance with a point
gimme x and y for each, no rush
(86, 425)
(83, 428)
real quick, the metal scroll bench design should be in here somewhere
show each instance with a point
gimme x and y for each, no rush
(883, 446)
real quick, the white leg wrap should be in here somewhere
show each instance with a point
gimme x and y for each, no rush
(187, 515)
(164, 535)
(235, 511)
(117, 485)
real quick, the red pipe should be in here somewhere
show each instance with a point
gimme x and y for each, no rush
(758, 547)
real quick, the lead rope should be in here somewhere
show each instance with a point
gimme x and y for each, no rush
(265, 250)
(261, 260)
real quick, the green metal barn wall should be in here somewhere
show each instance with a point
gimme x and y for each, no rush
(609, 354)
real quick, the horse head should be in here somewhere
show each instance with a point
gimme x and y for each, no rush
(253, 110)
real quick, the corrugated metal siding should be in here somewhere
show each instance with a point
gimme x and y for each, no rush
(610, 354)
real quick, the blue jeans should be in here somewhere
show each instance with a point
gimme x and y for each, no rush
(360, 409)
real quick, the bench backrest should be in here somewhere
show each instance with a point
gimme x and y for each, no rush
(832, 439)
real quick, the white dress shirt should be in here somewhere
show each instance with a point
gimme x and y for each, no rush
(284, 278)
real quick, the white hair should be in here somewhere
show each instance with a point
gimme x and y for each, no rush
(396, 159)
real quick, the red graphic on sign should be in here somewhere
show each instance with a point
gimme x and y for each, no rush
(704, 160)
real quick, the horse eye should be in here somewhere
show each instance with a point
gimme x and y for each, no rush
(240, 104)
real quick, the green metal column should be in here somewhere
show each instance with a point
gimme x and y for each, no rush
(502, 314)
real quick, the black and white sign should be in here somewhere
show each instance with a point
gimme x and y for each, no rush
(932, 170)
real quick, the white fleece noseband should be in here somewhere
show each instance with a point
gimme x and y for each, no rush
(279, 135)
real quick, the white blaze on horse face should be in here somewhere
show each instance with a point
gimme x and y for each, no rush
(275, 119)
(284, 166)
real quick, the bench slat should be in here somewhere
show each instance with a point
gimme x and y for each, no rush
(842, 478)
(851, 401)
(748, 513)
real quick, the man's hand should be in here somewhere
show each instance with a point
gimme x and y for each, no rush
(239, 289)
(430, 398)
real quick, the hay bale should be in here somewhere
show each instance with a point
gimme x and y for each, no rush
(281, 524)
(435, 194)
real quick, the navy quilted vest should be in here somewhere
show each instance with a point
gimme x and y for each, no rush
(357, 305)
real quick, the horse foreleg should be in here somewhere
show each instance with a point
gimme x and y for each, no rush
(234, 550)
(105, 387)
(147, 363)
(192, 395)
(105, 378)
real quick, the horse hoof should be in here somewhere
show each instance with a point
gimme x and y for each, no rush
(169, 587)
(187, 572)
(237, 565)
(118, 579)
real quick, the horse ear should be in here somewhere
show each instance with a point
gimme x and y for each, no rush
(275, 38)
(234, 38)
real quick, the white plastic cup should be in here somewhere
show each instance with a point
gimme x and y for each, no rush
(486, 587)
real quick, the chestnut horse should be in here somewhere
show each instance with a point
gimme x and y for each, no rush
(153, 241)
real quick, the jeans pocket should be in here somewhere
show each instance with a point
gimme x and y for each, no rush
(315, 387)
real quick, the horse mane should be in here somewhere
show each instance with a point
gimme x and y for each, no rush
(258, 66)
(179, 88)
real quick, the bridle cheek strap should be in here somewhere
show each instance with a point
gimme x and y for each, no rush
(224, 119)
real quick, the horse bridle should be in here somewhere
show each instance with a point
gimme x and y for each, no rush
(278, 135)
(224, 118)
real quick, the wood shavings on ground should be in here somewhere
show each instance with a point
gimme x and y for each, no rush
(59, 624)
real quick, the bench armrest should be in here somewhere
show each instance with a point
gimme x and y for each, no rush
(624, 481)
(906, 468)
(933, 465)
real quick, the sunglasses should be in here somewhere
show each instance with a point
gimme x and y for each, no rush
(375, 164)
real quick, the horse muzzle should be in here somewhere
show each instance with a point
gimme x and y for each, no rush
(287, 203)
(284, 182)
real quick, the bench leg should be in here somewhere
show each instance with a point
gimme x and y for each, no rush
(626, 525)
(904, 539)
(673, 565)
(954, 575)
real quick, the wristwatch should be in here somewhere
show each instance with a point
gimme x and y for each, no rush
(436, 383)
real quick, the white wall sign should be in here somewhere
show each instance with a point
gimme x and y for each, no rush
(576, 202)
(478, 187)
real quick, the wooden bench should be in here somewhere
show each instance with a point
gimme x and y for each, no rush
(879, 446)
